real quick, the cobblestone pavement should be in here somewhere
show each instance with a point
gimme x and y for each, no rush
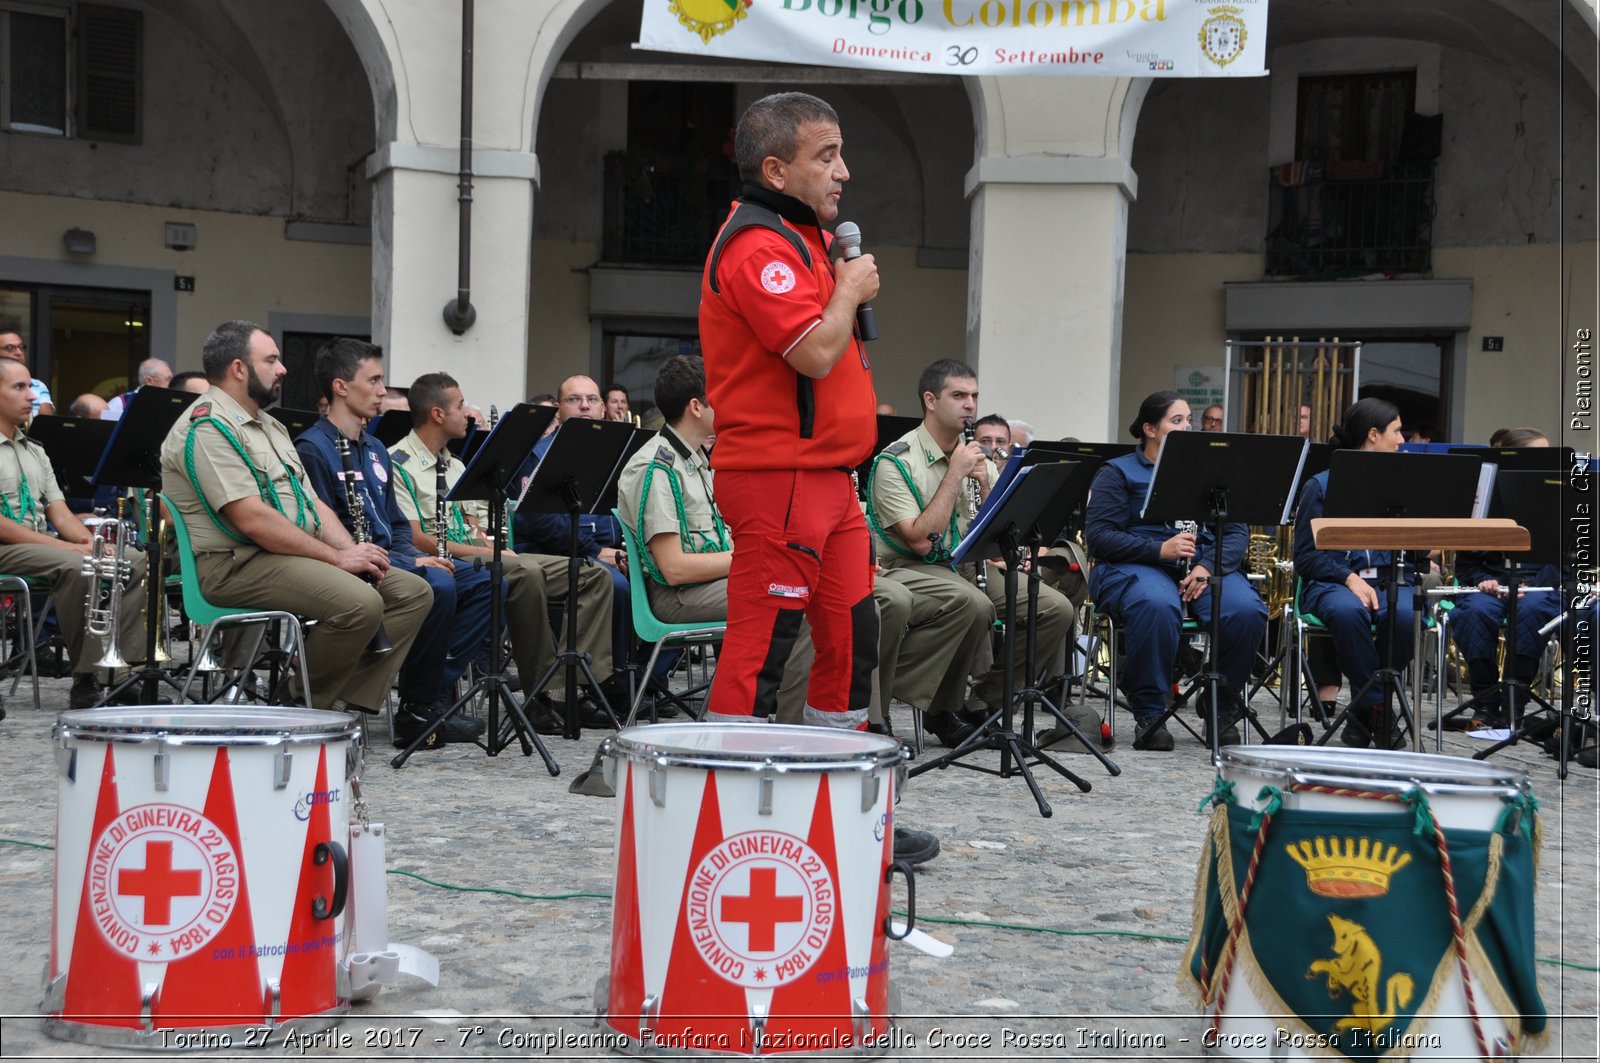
(1070, 927)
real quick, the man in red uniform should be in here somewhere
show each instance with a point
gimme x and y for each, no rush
(792, 388)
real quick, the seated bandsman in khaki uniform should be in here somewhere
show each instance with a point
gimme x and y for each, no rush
(263, 540)
(31, 503)
(919, 509)
(665, 492)
(533, 581)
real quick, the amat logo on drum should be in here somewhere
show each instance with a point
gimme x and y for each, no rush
(163, 880)
(311, 799)
(760, 907)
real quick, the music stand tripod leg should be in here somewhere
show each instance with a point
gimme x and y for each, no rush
(149, 675)
(493, 683)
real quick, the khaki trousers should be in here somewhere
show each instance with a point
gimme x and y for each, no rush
(62, 570)
(533, 583)
(944, 628)
(709, 601)
(346, 608)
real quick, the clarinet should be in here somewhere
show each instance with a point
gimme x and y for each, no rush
(359, 531)
(441, 522)
(1188, 527)
(975, 497)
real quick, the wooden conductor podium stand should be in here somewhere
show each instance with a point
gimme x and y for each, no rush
(1492, 534)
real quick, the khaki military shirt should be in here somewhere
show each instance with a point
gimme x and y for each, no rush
(666, 460)
(223, 475)
(893, 499)
(23, 459)
(417, 469)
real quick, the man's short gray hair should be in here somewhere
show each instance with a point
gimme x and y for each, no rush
(771, 126)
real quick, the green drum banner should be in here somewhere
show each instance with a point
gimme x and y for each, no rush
(1085, 38)
(1347, 935)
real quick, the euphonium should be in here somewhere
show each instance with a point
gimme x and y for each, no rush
(975, 498)
(107, 568)
(359, 531)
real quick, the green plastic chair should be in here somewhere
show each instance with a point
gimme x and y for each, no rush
(214, 618)
(651, 628)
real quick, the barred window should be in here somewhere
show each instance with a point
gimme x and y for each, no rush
(71, 70)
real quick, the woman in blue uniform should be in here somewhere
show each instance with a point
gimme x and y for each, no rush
(1345, 589)
(1147, 574)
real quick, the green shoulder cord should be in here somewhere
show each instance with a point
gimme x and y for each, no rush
(457, 532)
(940, 554)
(30, 510)
(263, 485)
(713, 542)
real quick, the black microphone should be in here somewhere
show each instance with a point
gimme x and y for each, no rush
(847, 244)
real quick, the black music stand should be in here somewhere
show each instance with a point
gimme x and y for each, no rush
(390, 427)
(1372, 484)
(1006, 527)
(1534, 500)
(573, 478)
(464, 447)
(296, 421)
(132, 458)
(75, 446)
(1218, 478)
(890, 428)
(487, 478)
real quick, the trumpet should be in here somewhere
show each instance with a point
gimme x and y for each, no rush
(975, 499)
(108, 569)
(359, 530)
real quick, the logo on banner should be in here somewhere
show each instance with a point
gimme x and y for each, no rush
(163, 880)
(1222, 35)
(777, 278)
(708, 18)
(761, 907)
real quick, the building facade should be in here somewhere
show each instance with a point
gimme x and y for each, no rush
(1416, 175)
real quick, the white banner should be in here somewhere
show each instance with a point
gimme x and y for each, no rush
(1093, 38)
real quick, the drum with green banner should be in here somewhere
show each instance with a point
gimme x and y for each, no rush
(1366, 905)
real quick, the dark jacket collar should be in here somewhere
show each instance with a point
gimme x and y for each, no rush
(677, 442)
(786, 207)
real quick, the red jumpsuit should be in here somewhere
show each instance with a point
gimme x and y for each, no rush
(786, 445)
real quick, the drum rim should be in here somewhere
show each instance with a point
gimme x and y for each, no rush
(1432, 772)
(882, 751)
(120, 725)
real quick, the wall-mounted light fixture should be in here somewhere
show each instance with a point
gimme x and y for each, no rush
(79, 241)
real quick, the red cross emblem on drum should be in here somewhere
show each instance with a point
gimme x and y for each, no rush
(761, 906)
(162, 882)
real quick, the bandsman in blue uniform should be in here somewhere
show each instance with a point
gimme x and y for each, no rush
(1148, 576)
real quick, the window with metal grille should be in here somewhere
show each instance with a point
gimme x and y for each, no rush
(33, 69)
(71, 70)
(110, 69)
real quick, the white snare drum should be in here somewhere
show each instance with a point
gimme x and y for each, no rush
(1344, 872)
(751, 901)
(201, 875)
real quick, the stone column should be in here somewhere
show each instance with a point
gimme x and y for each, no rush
(1050, 194)
(412, 56)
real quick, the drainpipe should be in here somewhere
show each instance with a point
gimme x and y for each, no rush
(458, 312)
